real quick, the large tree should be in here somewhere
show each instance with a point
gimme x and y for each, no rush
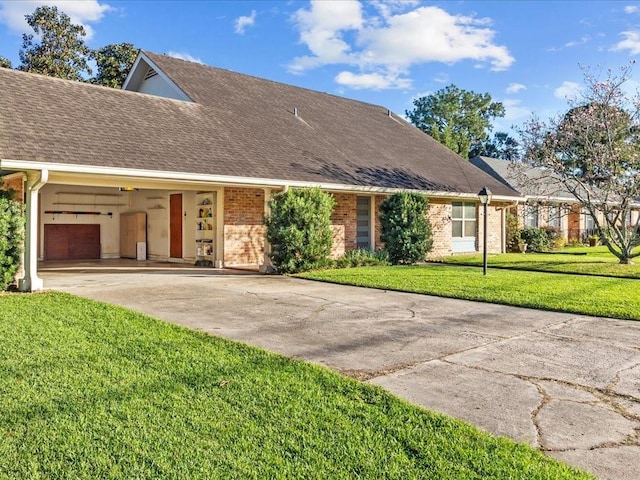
(457, 118)
(113, 63)
(60, 52)
(593, 151)
(502, 146)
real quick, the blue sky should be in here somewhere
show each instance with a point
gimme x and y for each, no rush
(526, 54)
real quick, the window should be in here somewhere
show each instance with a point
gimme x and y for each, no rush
(531, 216)
(555, 214)
(363, 219)
(463, 219)
(589, 224)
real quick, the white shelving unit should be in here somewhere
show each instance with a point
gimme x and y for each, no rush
(205, 228)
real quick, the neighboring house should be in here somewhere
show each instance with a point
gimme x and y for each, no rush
(547, 203)
(180, 165)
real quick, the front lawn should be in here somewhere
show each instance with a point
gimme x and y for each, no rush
(589, 295)
(578, 260)
(93, 391)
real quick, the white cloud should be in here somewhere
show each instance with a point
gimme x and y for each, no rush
(516, 87)
(184, 56)
(80, 12)
(575, 43)
(245, 21)
(451, 39)
(631, 9)
(387, 45)
(321, 31)
(442, 77)
(387, 8)
(373, 81)
(567, 91)
(514, 111)
(631, 42)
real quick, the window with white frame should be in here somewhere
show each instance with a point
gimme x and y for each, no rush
(463, 219)
(589, 224)
(554, 213)
(531, 215)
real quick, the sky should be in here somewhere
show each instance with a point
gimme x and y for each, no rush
(529, 55)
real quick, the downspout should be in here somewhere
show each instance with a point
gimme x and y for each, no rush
(31, 282)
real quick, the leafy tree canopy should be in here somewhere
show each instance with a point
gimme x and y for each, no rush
(5, 62)
(502, 146)
(61, 51)
(593, 151)
(457, 118)
(113, 64)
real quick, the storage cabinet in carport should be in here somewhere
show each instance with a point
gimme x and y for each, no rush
(133, 235)
(71, 241)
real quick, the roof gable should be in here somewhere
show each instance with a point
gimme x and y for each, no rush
(145, 77)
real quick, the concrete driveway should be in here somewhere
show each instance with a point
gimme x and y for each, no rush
(566, 384)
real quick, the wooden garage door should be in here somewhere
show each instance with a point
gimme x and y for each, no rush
(71, 242)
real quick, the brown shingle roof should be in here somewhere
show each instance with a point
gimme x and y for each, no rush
(238, 126)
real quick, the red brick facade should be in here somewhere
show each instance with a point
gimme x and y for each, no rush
(244, 229)
(378, 229)
(439, 213)
(343, 222)
(494, 228)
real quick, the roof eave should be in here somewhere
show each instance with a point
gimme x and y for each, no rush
(160, 177)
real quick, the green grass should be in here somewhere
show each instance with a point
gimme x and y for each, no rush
(576, 260)
(93, 391)
(590, 295)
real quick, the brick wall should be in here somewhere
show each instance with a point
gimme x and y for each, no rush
(244, 228)
(343, 224)
(378, 232)
(439, 213)
(494, 228)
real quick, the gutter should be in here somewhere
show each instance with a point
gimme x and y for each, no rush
(200, 179)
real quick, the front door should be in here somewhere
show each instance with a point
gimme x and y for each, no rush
(175, 225)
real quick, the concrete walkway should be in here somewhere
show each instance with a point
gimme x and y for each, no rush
(566, 384)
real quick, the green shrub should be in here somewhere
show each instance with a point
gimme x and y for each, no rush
(362, 257)
(513, 233)
(406, 230)
(299, 230)
(11, 238)
(538, 239)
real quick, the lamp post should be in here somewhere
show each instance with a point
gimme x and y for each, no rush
(485, 198)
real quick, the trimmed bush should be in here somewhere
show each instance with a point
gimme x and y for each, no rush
(299, 230)
(539, 239)
(362, 257)
(11, 238)
(406, 230)
(514, 233)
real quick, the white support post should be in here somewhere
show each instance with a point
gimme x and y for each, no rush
(31, 282)
(219, 233)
